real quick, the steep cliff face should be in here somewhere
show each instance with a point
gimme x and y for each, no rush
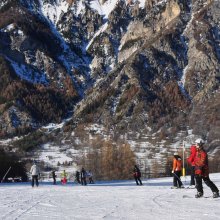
(166, 77)
(47, 76)
(133, 67)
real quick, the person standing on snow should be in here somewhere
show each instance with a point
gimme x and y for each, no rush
(191, 161)
(137, 175)
(77, 176)
(54, 177)
(89, 174)
(35, 173)
(83, 177)
(177, 168)
(64, 177)
(202, 170)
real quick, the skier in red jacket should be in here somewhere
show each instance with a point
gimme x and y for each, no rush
(202, 171)
(191, 161)
(137, 175)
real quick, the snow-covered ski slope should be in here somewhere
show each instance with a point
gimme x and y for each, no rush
(119, 200)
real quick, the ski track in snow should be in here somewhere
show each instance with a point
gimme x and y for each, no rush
(116, 200)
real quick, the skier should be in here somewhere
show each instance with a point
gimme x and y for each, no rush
(35, 173)
(202, 170)
(177, 168)
(191, 161)
(137, 175)
(83, 177)
(89, 174)
(54, 177)
(64, 177)
(77, 177)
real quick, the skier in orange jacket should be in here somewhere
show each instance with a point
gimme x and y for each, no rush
(177, 168)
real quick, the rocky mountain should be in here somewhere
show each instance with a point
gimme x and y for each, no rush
(143, 72)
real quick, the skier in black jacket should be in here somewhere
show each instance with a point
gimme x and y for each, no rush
(77, 176)
(54, 177)
(83, 177)
(137, 175)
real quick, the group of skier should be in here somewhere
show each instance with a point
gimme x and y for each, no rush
(81, 177)
(198, 160)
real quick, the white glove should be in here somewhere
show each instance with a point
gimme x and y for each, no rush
(172, 171)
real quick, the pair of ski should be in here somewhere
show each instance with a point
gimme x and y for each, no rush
(205, 197)
(183, 187)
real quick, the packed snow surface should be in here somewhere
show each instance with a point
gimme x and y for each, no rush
(108, 200)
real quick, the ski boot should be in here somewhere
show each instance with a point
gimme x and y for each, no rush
(198, 195)
(215, 194)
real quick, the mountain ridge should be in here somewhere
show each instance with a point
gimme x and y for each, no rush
(141, 69)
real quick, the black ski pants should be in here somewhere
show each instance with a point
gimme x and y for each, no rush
(54, 181)
(34, 179)
(207, 181)
(91, 180)
(83, 181)
(192, 181)
(176, 179)
(138, 180)
(78, 180)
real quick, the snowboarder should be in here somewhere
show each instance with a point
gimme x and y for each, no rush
(89, 174)
(77, 176)
(83, 177)
(35, 173)
(54, 177)
(202, 170)
(64, 177)
(137, 175)
(177, 168)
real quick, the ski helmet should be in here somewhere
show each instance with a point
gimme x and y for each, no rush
(199, 141)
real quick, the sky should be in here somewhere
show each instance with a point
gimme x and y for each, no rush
(115, 200)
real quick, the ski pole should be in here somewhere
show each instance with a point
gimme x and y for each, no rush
(5, 175)
(178, 178)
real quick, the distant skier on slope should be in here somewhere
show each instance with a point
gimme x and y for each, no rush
(64, 177)
(83, 177)
(54, 177)
(77, 177)
(177, 168)
(137, 175)
(191, 161)
(90, 176)
(35, 173)
(202, 170)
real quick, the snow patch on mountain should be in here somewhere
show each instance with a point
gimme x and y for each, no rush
(103, 9)
(8, 28)
(108, 6)
(101, 30)
(26, 73)
(3, 2)
(53, 154)
(78, 7)
(54, 11)
(54, 126)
